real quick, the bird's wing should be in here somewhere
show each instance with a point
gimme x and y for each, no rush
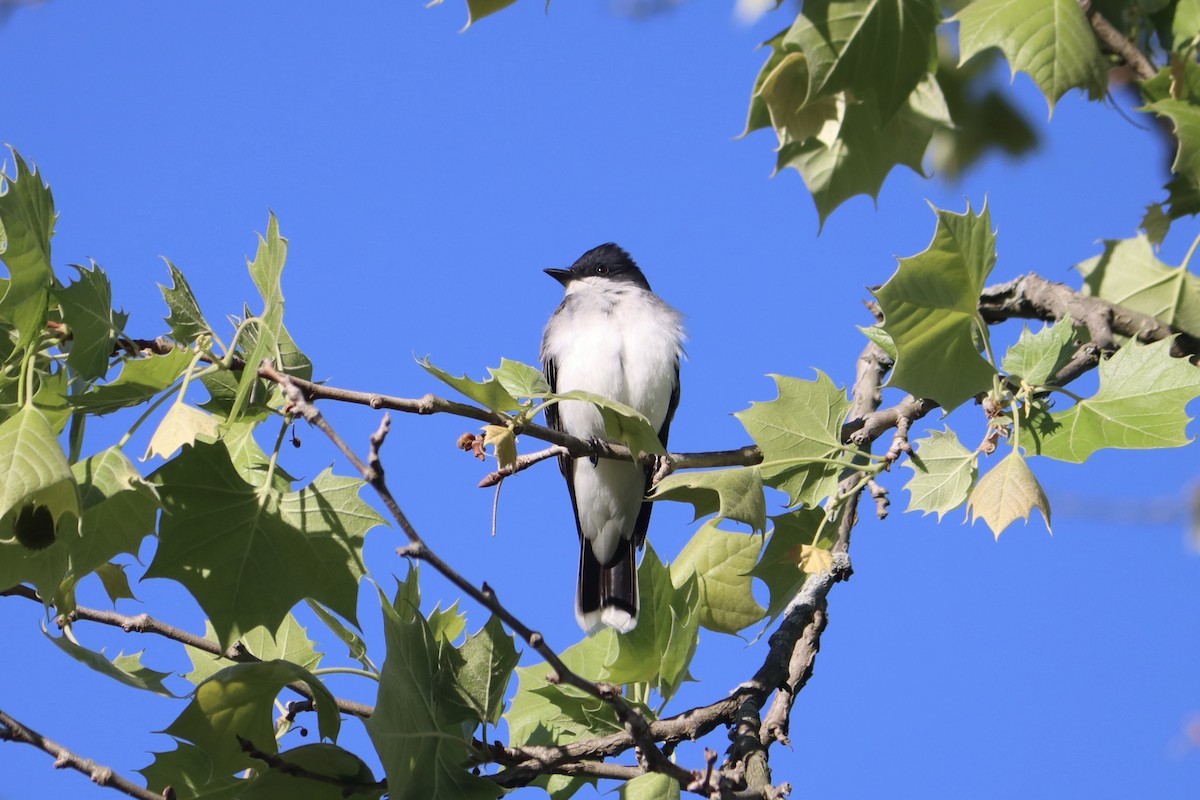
(554, 421)
(643, 519)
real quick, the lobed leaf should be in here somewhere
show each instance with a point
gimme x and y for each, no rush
(733, 494)
(943, 473)
(780, 565)
(930, 308)
(140, 380)
(26, 226)
(1037, 357)
(1129, 274)
(87, 310)
(1008, 492)
(722, 562)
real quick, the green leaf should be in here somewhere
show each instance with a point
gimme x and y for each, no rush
(520, 380)
(875, 49)
(186, 321)
(189, 772)
(115, 582)
(181, 425)
(1037, 357)
(87, 310)
(489, 657)
(721, 561)
(799, 434)
(119, 510)
(248, 555)
(1139, 405)
(943, 473)
(289, 642)
(478, 9)
(1185, 116)
(126, 669)
(1130, 275)
(416, 729)
(545, 713)
(239, 701)
(447, 625)
(1007, 493)
(489, 394)
(881, 338)
(357, 647)
(651, 786)
(26, 226)
(759, 114)
(140, 380)
(930, 308)
(1049, 40)
(779, 568)
(784, 93)
(250, 460)
(343, 768)
(1183, 200)
(733, 494)
(35, 469)
(660, 649)
(266, 270)
(621, 423)
(855, 150)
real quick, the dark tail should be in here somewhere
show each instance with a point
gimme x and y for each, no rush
(607, 594)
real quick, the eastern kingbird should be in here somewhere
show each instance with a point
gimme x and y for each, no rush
(614, 337)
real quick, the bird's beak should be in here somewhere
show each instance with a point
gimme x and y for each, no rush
(563, 276)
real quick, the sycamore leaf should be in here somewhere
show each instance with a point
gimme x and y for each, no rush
(26, 226)
(660, 649)
(140, 380)
(266, 270)
(341, 767)
(733, 494)
(418, 730)
(448, 624)
(503, 442)
(489, 657)
(115, 582)
(621, 423)
(186, 321)
(126, 669)
(1183, 200)
(45, 568)
(238, 702)
(520, 380)
(1049, 40)
(181, 425)
(943, 473)
(119, 510)
(795, 91)
(855, 150)
(799, 434)
(1037, 357)
(248, 457)
(189, 773)
(490, 393)
(1008, 492)
(1185, 116)
(877, 50)
(651, 786)
(880, 337)
(930, 308)
(354, 642)
(1139, 405)
(1130, 275)
(248, 555)
(784, 94)
(289, 642)
(721, 561)
(87, 310)
(779, 568)
(478, 9)
(814, 560)
(545, 713)
(36, 472)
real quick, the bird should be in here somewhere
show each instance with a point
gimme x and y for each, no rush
(611, 336)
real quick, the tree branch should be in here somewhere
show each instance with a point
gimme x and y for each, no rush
(13, 731)
(144, 623)
(1141, 65)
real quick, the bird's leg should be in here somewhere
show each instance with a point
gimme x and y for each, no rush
(663, 466)
(597, 445)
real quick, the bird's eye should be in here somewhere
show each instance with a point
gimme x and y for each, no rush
(601, 270)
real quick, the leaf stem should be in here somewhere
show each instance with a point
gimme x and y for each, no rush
(363, 673)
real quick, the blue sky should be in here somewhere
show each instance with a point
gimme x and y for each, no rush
(425, 177)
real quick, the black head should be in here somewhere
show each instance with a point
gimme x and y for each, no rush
(607, 262)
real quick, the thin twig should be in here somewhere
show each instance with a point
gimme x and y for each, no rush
(1138, 61)
(144, 623)
(13, 731)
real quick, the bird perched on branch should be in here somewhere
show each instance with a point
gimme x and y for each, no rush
(614, 337)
